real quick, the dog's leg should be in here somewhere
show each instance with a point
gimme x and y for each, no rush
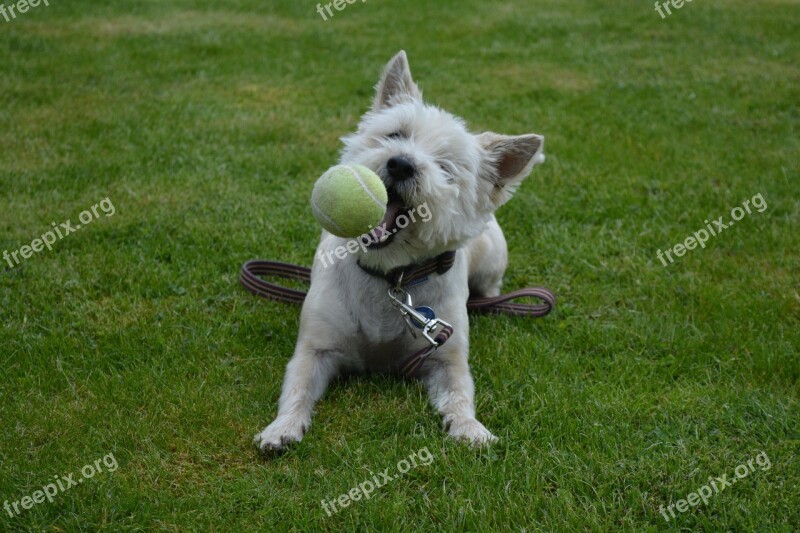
(488, 257)
(307, 375)
(451, 392)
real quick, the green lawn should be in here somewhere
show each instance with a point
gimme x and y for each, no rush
(205, 123)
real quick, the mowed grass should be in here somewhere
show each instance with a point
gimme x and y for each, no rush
(206, 124)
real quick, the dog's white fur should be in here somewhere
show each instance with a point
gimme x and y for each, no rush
(347, 322)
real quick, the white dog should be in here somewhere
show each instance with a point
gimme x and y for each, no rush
(349, 322)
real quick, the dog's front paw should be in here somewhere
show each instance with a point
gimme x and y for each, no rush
(283, 431)
(471, 431)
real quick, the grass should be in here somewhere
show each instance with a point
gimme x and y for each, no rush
(206, 123)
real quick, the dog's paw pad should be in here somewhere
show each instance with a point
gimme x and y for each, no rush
(472, 432)
(279, 435)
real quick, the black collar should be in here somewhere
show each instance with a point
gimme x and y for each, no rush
(416, 272)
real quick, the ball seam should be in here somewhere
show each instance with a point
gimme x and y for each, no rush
(329, 220)
(363, 185)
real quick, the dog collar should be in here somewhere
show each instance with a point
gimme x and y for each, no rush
(414, 273)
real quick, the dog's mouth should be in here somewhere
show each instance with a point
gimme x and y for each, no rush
(384, 232)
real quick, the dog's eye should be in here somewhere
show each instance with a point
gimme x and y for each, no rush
(446, 168)
(396, 135)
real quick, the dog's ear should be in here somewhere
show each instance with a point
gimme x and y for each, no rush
(508, 161)
(396, 84)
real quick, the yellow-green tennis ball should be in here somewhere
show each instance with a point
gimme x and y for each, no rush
(349, 199)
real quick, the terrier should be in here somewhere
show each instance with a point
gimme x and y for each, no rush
(358, 315)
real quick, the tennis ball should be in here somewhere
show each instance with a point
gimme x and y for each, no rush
(349, 199)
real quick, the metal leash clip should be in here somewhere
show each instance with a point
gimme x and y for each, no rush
(402, 306)
(422, 318)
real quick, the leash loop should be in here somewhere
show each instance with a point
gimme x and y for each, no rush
(251, 278)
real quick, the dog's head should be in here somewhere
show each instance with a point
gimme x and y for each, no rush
(444, 183)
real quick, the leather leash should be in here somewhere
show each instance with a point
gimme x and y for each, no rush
(403, 277)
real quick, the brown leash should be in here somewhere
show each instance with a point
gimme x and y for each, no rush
(250, 278)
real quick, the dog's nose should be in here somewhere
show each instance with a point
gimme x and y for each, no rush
(400, 168)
